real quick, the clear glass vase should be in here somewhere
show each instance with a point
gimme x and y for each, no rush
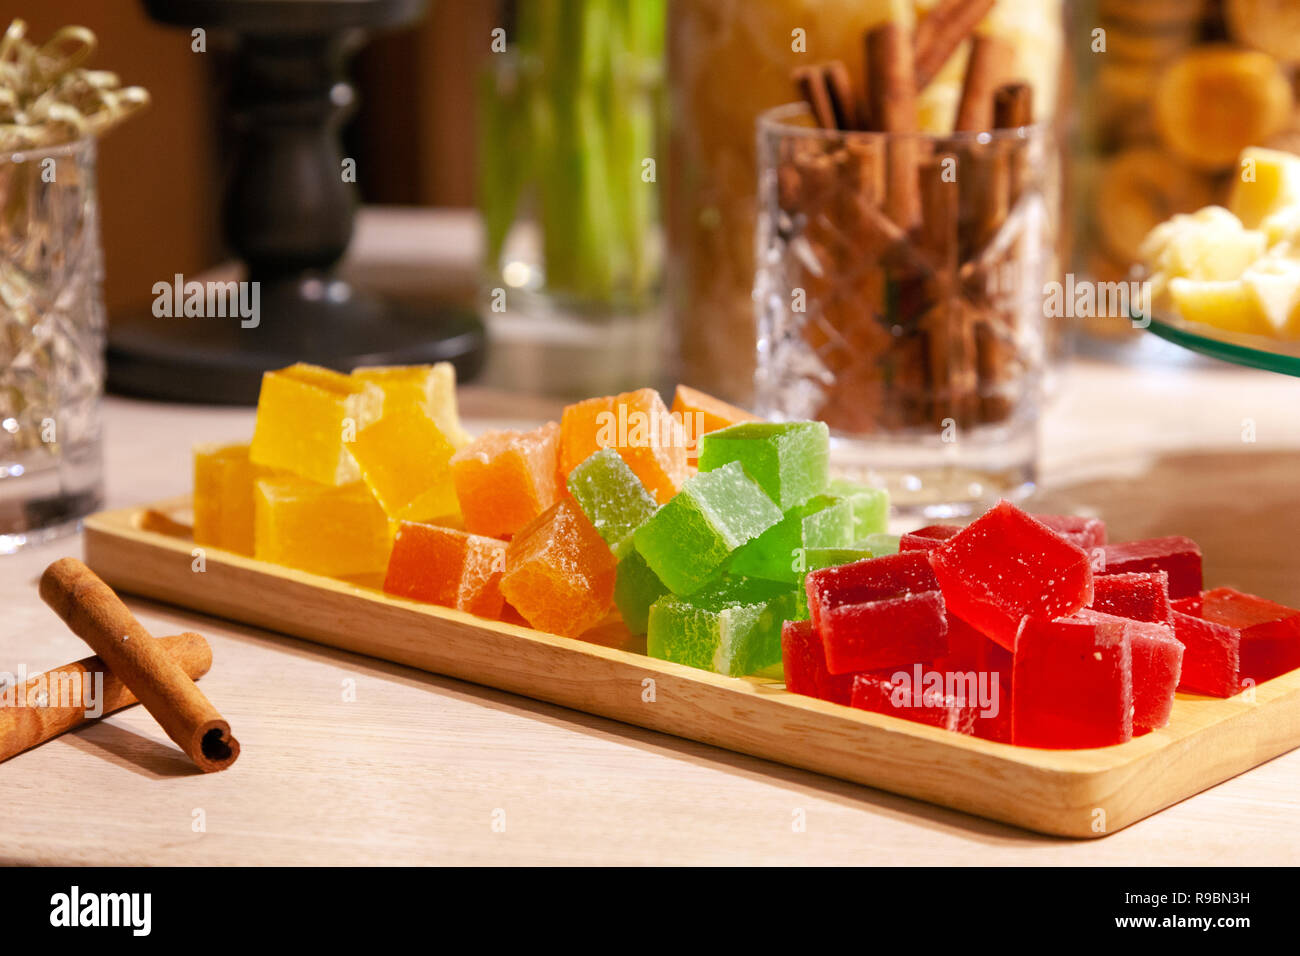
(51, 342)
(923, 347)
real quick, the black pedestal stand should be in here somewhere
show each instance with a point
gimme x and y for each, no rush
(288, 213)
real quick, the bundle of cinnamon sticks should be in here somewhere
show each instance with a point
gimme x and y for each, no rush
(904, 257)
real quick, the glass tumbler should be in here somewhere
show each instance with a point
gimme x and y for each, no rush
(900, 296)
(51, 342)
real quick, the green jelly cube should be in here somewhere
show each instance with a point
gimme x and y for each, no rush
(870, 506)
(635, 589)
(814, 559)
(789, 460)
(611, 495)
(687, 541)
(732, 627)
(820, 522)
(880, 544)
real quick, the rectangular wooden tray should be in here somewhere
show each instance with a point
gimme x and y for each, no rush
(1085, 793)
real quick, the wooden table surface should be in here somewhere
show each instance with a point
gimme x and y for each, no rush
(418, 769)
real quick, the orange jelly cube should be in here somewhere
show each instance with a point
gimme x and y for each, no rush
(448, 567)
(560, 572)
(506, 479)
(701, 413)
(636, 424)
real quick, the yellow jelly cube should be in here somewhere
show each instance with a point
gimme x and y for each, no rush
(433, 387)
(336, 531)
(406, 463)
(305, 417)
(223, 497)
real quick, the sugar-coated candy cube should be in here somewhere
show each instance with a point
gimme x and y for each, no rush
(611, 495)
(335, 531)
(305, 416)
(223, 497)
(1140, 595)
(996, 725)
(777, 553)
(635, 589)
(1157, 658)
(1211, 651)
(887, 632)
(701, 413)
(871, 580)
(789, 460)
(883, 694)
(879, 544)
(1005, 565)
(448, 567)
(636, 424)
(1179, 556)
(505, 479)
(731, 627)
(804, 658)
(431, 387)
(816, 559)
(927, 538)
(1087, 533)
(870, 506)
(559, 571)
(405, 461)
(1071, 684)
(687, 541)
(1224, 626)
(970, 650)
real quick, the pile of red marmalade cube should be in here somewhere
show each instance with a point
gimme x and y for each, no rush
(1032, 630)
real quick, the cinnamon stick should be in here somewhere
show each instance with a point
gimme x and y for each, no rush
(30, 720)
(985, 69)
(942, 31)
(97, 615)
(893, 108)
(1013, 105)
(839, 90)
(811, 84)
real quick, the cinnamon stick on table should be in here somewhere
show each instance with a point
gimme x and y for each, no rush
(940, 33)
(892, 86)
(28, 720)
(90, 608)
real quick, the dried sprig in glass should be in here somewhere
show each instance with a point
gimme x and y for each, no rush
(51, 303)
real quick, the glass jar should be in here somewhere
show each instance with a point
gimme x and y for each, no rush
(923, 350)
(728, 60)
(1171, 91)
(51, 342)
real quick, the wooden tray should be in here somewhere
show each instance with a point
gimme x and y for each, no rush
(1082, 793)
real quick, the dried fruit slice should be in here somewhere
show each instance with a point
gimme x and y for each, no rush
(1216, 100)
(1272, 26)
(1138, 190)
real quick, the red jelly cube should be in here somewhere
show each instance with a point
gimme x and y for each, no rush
(881, 694)
(1138, 595)
(1179, 556)
(804, 659)
(997, 724)
(1087, 533)
(868, 580)
(1211, 652)
(924, 539)
(1157, 662)
(1072, 684)
(891, 632)
(1268, 633)
(1006, 565)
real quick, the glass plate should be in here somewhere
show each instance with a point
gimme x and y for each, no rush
(1240, 348)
